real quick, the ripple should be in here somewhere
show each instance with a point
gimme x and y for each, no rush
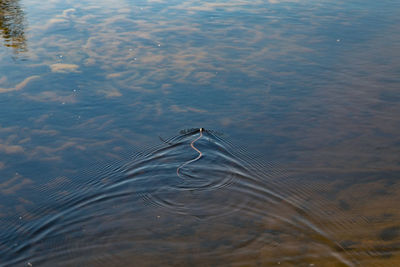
(195, 198)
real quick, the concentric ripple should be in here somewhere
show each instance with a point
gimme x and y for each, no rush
(195, 199)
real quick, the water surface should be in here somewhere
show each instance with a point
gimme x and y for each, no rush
(300, 160)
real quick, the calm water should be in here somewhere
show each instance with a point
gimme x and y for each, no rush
(102, 162)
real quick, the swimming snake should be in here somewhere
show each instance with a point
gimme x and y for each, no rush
(192, 160)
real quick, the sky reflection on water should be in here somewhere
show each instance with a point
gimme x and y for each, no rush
(312, 85)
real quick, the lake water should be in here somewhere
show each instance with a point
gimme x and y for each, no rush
(104, 160)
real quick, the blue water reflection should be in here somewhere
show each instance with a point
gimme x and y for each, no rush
(311, 85)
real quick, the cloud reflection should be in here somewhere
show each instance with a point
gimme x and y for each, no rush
(20, 85)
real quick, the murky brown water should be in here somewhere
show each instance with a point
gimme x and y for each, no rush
(301, 167)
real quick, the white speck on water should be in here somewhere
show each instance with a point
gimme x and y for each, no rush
(130, 49)
(338, 40)
(134, 58)
(20, 218)
(29, 264)
(63, 103)
(159, 44)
